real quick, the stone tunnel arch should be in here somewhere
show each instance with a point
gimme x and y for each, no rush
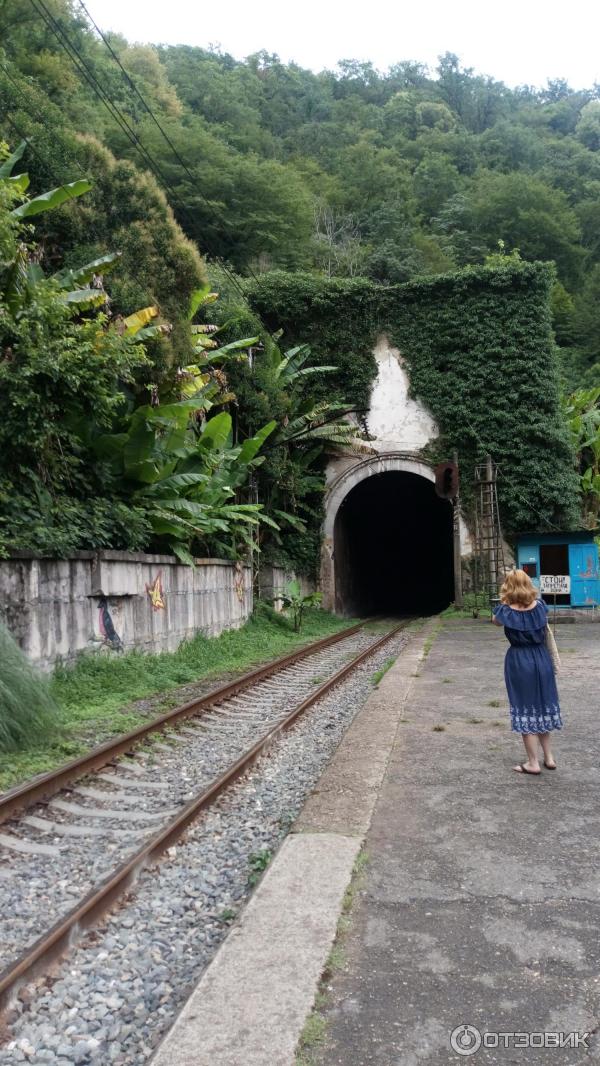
(387, 545)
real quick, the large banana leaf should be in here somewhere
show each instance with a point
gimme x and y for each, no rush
(176, 481)
(79, 276)
(200, 297)
(133, 323)
(291, 520)
(216, 432)
(182, 553)
(85, 298)
(235, 346)
(7, 166)
(252, 445)
(51, 199)
(20, 183)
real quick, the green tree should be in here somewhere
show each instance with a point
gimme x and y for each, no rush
(435, 180)
(58, 373)
(588, 126)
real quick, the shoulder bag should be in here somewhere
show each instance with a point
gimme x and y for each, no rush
(552, 649)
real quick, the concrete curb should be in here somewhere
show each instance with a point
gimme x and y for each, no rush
(250, 1005)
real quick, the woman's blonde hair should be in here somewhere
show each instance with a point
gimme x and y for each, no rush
(518, 588)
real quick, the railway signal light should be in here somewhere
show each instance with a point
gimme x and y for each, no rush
(446, 480)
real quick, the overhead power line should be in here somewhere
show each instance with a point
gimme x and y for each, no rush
(90, 77)
(127, 77)
(129, 80)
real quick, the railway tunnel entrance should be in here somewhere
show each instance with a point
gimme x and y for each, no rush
(392, 547)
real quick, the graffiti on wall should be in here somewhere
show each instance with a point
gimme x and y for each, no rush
(238, 581)
(109, 634)
(156, 594)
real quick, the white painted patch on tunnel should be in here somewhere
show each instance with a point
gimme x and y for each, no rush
(395, 419)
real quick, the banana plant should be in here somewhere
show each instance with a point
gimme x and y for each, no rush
(21, 278)
(310, 421)
(46, 201)
(296, 603)
(291, 366)
(209, 355)
(185, 477)
(582, 413)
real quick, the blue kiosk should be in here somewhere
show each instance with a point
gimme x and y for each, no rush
(563, 565)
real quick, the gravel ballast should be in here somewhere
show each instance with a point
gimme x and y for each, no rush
(114, 810)
(117, 993)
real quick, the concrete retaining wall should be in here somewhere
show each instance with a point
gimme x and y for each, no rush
(112, 601)
(274, 580)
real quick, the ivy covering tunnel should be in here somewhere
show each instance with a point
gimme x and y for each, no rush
(393, 548)
(480, 353)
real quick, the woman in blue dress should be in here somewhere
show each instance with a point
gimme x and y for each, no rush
(528, 670)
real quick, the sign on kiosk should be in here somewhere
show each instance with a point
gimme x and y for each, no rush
(555, 584)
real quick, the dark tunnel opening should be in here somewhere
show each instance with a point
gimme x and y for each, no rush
(393, 548)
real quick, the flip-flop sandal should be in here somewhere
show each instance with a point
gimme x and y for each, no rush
(533, 773)
(549, 767)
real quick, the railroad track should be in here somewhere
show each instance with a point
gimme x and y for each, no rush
(148, 787)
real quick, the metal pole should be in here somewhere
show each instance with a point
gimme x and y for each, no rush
(489, 528)
(458, 589)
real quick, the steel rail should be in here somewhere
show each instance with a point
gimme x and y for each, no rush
(40, 788)
(53, 944)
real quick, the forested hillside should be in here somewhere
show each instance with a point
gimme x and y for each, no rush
(354, 171)
(135, 412)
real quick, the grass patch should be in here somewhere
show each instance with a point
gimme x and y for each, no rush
(377, 676)
(447, 681)
(258, 864)
(312, 1036)
(27, 710)
(472, 607)
(439, 729)
(474, 721)
(429, 642)
(93, 698)
(494, 703)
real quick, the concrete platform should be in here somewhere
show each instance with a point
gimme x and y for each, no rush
(251, 1003)
(480, 903)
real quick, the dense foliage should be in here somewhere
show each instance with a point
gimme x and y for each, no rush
(352, 171)
(364, 184)
(84, 465)
(481, 356)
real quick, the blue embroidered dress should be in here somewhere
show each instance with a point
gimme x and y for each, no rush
(528, 670)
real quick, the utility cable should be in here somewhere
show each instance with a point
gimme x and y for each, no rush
(89, 76)
(129, 80)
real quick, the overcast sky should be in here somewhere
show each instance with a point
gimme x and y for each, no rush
(517, 41)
